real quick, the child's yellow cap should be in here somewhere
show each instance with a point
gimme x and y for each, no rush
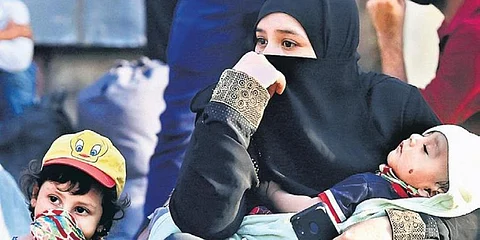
(93, 154)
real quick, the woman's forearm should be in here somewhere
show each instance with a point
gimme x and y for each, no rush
(209, 199)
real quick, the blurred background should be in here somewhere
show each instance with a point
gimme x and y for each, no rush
(76, 41)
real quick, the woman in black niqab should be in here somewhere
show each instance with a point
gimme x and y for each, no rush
(332, 121)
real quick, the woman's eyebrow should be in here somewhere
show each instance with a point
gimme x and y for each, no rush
(284, 31)
(288, 31)
(259, 30)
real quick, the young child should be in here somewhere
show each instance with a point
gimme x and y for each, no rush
(421, 166)
(75, 192)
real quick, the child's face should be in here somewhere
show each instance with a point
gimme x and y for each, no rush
(87, 209)
(421, 161)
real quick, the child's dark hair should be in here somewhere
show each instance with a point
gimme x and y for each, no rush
(80, 184)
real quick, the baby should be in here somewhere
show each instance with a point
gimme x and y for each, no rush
(418, 167)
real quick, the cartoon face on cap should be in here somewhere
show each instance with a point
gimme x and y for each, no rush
(91, 153)
(87, 147)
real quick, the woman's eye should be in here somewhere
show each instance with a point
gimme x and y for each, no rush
(261, 41)
(81, 210)
(288, 44)
(53, 199)
(425, 149)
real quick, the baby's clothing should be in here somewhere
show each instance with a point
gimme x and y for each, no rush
(343, 197)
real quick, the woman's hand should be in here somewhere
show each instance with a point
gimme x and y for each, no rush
(257, 66)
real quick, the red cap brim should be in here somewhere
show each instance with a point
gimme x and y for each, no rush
(96, 173)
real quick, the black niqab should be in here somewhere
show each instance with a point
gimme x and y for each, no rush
(321, 129)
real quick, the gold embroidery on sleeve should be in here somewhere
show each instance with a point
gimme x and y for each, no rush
(406, 225)
(242, 93)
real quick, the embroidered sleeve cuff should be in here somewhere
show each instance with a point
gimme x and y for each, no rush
(219, 112)
(242, 93)
(406, 224)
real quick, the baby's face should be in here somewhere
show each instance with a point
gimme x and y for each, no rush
(87, 209)
(421, 161)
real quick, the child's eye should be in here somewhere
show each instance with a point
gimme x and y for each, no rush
(425, 149)
(53, 199)
(82, 210)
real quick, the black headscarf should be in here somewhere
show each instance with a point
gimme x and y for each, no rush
(323, 128)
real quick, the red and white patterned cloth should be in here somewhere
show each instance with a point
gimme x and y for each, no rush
(55, 224)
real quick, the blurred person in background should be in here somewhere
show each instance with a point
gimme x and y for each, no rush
(178, 33)
(201, 45)
(205, 38)
(132, 124)
(14, 216)
(17, 72)
(454, 93)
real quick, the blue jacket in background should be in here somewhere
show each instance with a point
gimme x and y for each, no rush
(207, 36)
